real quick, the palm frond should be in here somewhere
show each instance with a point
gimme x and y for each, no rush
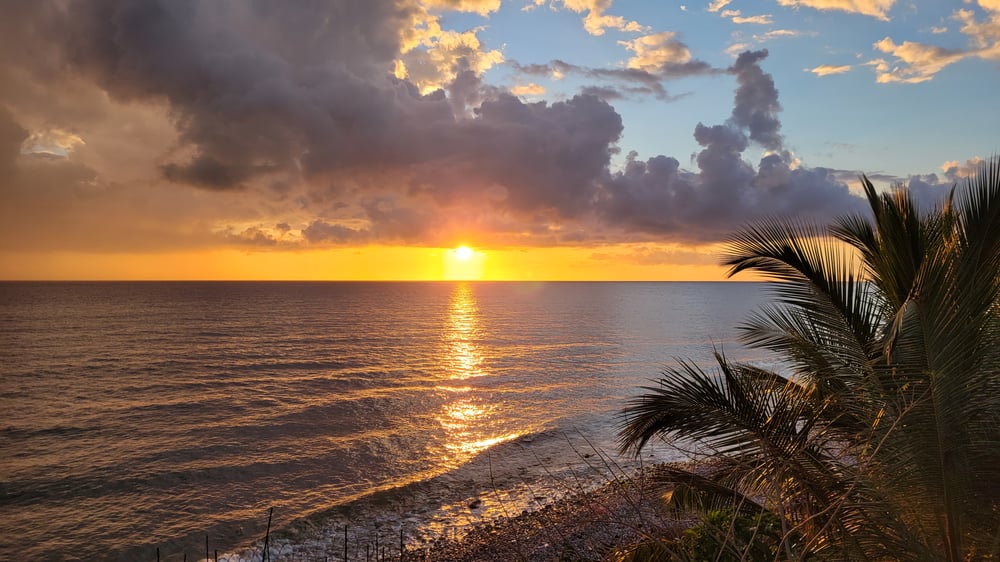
(883, 440)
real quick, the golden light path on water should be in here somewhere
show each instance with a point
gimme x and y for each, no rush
(467, 417)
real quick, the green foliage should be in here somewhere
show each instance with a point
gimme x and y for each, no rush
(881, 440)
(725, 537)
(722, 536)
(648, 551)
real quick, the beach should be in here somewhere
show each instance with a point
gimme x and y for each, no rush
(589, 524)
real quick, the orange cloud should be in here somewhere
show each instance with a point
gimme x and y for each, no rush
(481, 7)
(596, 21)
(737, 17)
(874, 8)
(829, 69)
(530, 89)
(430, 56)
(920, 62)
(653, 52)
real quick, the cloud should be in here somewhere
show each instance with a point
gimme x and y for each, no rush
(604, 93)
(717, 5)
(319, 232)
(597, 21)
(758, 39)
(53, 141)
(736, 48)
(441, 55)
(254, 236)
(920, 62)
(658, 197)
(737, 17)
(658, 255)
(875, 8)
(632, 80)
(763, 19)
(955, 170)
(927, 190)
(656, 51)
(756, 105)
(481, 7)
(829, 69)
(529, 89)
(984, 36)
(12, 136)
(775, 34)
(264, 126)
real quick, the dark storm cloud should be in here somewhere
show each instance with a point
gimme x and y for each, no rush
(306, 90)
(12, 136)
(258, 88)
(756, 105)
(546, 157)
(303, 95)
(657, 197)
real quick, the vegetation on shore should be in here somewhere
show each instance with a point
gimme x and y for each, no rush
(881, 440)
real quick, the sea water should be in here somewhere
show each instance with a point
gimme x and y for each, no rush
(139, 416)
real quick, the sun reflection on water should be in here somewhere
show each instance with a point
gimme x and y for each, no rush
(463, 358)
(471, 420)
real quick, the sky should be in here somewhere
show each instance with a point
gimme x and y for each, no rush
(558, 139)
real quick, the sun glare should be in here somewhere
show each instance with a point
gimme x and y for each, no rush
(464, 264)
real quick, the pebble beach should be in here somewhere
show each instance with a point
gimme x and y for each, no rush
(588, 525)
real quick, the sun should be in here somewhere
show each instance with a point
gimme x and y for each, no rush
(463, 264)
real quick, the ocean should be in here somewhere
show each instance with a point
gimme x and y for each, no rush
(139, 416)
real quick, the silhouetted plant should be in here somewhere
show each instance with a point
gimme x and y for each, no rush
(881, 441)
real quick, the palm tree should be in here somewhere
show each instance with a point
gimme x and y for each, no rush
(881, 440)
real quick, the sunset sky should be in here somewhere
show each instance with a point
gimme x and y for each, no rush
(557, 139)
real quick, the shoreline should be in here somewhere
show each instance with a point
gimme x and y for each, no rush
(589, 524)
